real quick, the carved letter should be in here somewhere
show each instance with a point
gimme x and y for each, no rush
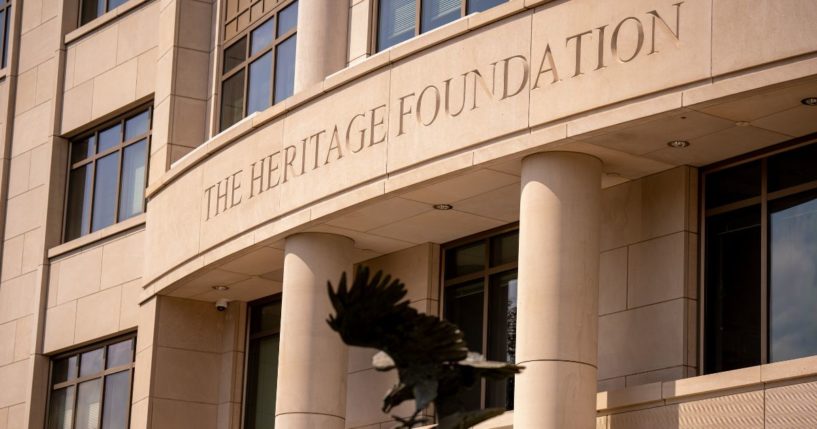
(448, 96)
(578, 38)
(257, 178)
(676, 34)
(600, 63)
(506, 69)
(317, 138)
(639, 43)
(234, 190)
(272, 167)
(334, 144)
(551, 68)
(420, 105)
(222, 196)
(288, 161)
(209, 192)
(374, 124)
(349, 133)
(403, 113)
(482, 84)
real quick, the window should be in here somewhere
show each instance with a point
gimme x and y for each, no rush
(760, 259)
(107, 175)
(259, 66)
(91, 388)
(262, 363)
(400, 20)
(5, 19)
(92, 9)
(480, 297)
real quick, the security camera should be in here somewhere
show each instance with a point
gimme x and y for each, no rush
(221, 304)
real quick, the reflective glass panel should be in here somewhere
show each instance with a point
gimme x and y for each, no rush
(733, 184)
(232, 100)
(262, 382)
(78, 212)
(132, 185)
(793, 277)
(465, 260)
(137, 125)
(4, 35)
(463, 307)
(235, 54)
(262, 36)
(266, 318)
(501, 335)
(396, 22)
(91, 362)
(732, 302)
(120, 354)
(505, 248)
(61, 408)
(287, 19)
(436, 13)
(105, 183)
(481, 5)
(259, 90)
(5, 46)
(793, 168)
(64, 369)
(89, 404)
(285, 69)
(112, 4)
(109, 138)
(117, 401)
(90, 10)
(82, 149)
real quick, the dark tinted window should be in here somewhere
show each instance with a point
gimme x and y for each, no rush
(262, 364)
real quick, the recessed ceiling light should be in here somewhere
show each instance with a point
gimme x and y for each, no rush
(221, 288)
(678, 144)
(742, 123)
(443, 206)
(809, 101)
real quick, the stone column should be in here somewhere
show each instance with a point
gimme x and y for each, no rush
(557, 321)
(321, 45)
(312, 361)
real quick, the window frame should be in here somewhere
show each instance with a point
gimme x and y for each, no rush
(248, 60)
(485, 274)
(418, 17)
(120, 147)
(249, 337)
(761, 200)
(99, 375)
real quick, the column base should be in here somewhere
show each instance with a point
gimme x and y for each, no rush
(559, 395)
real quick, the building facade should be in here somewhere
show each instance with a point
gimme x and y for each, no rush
(619, 195)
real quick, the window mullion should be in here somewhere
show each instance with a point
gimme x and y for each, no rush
(418, 7)
(486, 296)
(92, 200)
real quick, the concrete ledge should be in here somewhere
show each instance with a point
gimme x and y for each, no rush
(103, 20)
(94, 237)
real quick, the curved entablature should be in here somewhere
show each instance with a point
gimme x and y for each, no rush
(486, 89)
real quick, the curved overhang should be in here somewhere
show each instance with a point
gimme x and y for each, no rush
(476, 95)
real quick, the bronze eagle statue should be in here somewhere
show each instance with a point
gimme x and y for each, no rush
(430, 354)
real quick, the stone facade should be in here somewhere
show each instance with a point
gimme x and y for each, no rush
(553, 114)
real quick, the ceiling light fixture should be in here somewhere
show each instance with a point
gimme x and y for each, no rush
(443, 206)
(678, 144)
(742, 123)
(809, 101)
(221, 288)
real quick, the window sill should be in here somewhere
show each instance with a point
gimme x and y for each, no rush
(103, 20)
(94, 237)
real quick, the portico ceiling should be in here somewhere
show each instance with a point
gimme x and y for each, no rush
(488, 197)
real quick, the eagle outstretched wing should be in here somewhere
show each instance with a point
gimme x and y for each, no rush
(374, 313)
